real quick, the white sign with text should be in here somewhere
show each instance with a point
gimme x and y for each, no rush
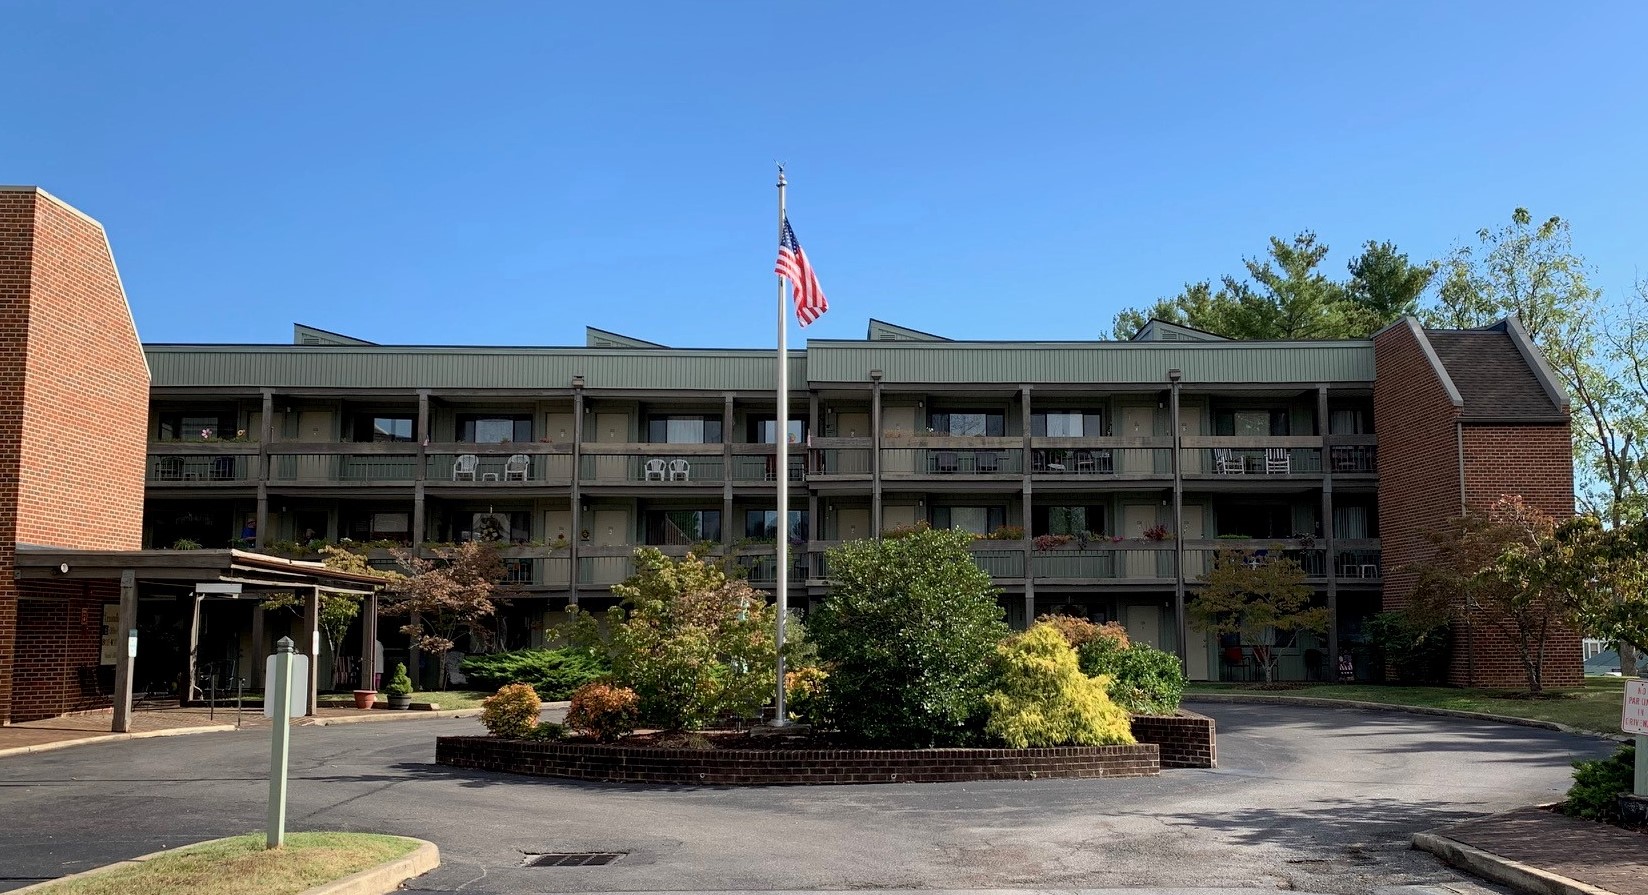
(1634, 719)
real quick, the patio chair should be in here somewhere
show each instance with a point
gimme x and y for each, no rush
(946, 461)
(465, 465)
(1225, 463)
(680, 470)
(516, 467)
(987, 462)
(1085, 462)
(1278, 461)
(654, 470)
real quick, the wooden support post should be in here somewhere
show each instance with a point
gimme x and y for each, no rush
(311, 639)
(194, 648)
(126, 658)
(369, 642)
(260, 651)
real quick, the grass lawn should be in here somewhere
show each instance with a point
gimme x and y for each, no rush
(241, 864)
(446, 699)
(1595, 706)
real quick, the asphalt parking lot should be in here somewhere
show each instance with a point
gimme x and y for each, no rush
(1320, 800)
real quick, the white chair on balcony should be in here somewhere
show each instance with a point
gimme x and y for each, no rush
(680, 470)
(516, 467)
(1224, 463)
(655, 470)
(1278, 461)
(465, 465)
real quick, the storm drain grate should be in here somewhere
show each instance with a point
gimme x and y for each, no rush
(574, 859)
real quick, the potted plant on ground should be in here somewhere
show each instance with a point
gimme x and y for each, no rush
(365, 698)
(399, 688)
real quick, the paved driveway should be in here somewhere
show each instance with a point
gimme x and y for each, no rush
(1309, 799)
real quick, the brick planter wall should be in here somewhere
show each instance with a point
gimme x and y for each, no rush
(756, 767)
(1184, 739)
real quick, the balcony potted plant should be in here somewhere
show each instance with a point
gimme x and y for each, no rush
(399, 688)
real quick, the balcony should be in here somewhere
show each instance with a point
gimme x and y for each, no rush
(190, 470)
(1129, 560)
(652, 464)
(343, 467)
(843, 458)
(1243, 457)
(1353, 455)
(953, 457)
(757, 463)
(1053, 459)
(498, 469)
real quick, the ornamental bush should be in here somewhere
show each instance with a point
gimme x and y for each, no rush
(908, 633)
(1597, 785)
(399, 683)
(1142, 679)
(604, 712)
(804, 695)
(1043, 699)
(1416, 646)
(694, 645)
(511, 712)
(1078, 632)
(554, 673)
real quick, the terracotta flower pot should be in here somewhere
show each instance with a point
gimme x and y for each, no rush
(365, 698)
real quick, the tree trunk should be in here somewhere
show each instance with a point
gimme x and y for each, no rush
(1627, 660)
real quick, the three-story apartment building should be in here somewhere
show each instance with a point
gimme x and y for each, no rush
(1099, 478)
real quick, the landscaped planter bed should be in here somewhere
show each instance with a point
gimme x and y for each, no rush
(736, 759)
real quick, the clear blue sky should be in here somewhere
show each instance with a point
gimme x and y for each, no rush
(410, 173)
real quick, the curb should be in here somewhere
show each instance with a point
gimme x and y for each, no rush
(1519, 876)
(114, 738)
(1320, 702)
(390, 716)
(379, 880)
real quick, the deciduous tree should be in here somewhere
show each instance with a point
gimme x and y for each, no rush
(446, 597)
(1262, 599)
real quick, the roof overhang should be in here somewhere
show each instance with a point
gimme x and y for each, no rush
(253, 571)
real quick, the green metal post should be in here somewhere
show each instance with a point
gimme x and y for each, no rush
(279, 688)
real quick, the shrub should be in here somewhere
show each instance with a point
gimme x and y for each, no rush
(1078, 632)
(547, 731)
(1416, 647)
(804, 694)
(1597, 785)
(511, 712)
(694, 645)
(1044, 699)
(399, 684)
(554, 673)
(908, 634)
(603, 711)
(1144, 680)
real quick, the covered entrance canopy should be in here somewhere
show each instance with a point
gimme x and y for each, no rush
(208, 575)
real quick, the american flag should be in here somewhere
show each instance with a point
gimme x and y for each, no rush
(793, 266)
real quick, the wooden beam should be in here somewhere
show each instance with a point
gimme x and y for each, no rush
(369, 642)
(311, 639)
(124, 659)
(194, 646)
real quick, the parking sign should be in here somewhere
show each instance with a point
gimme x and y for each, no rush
(1634, 719)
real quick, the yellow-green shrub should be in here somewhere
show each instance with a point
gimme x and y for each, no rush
(512, 711)
(804, 694)
(1043, 699)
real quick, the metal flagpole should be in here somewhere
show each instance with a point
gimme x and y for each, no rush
(782, 437)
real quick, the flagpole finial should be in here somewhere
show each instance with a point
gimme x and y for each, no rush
(781, 180)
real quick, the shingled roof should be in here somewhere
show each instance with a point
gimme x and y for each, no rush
(1493, 377)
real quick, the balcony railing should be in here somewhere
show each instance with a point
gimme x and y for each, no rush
(499, 468)
(359, 469)
(951, 461)
(841, 461)
(605, 570)
(764, 467)
(1358, 563)
(1250, 457)
(1353, 459)
(661, 468)
(1134, 561)
(165, 468)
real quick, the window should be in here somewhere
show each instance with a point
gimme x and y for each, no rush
(384, 428)
(762, 525)
(978, 520)
(1346, 422)
(762, 430)
(1067, 520)
(1067, 424)
(494, 428)
(371, 526)
(684, 430)
(967, 423)
(196, 426)
(1254, 519)
(683, 527)
(1251, 422)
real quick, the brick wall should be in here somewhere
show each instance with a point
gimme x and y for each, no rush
(765, 767)
(1418, 457)
(1535, 462)
(59, 637)
(1183, 740)
(73, 410)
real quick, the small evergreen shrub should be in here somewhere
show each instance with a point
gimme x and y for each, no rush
(804, 695)
(1597, 785)
(604, 712)
(554, 673)
(511, 712)
(399, 684)
(1043, 698)
(547, 731)
(1142, 679)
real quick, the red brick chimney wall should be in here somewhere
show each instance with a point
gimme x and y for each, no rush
(74, 389)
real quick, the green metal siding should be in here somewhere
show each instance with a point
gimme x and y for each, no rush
(457, 368)
(1095, 362)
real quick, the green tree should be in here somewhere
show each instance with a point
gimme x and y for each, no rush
(908, 635)
(1287, 296)
(337, 610)
(694, 644)
(1605, 569)
(1262, 599)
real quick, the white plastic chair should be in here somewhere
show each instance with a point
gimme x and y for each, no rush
(1226, 464)
(680, 469)
(655, 470)
(465, 465)
(1278, 461)
(516, 467)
